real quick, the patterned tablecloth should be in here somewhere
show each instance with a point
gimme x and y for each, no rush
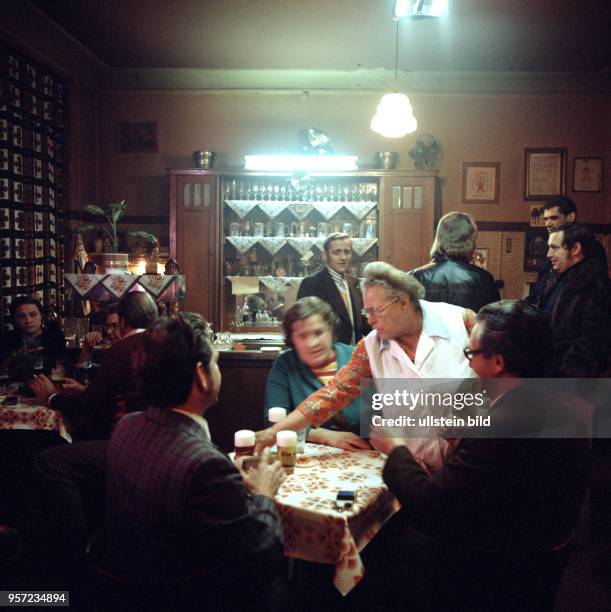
(29, 415)
(314, 529)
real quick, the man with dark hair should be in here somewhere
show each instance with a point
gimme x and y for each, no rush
(558, 211)
(501, 511)
(339, 289)
(176, 506)
(64, 473)
(115, 388)
(577, 304)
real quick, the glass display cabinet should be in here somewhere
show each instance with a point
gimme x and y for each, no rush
(246, 239)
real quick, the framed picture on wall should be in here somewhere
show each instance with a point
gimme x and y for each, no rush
(137, 137)
(588, 174)
(544, 173)
(536, 215)
(481, 182)
(535, 249)
(480, 258)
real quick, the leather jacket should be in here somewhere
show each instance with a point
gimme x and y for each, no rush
(456, 281)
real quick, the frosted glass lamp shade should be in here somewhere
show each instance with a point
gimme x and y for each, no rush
(394, 117)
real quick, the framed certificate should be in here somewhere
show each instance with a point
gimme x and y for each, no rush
(544, 173)
(588, 174)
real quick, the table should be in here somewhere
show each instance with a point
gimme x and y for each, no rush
(314, 529)
(31, 415)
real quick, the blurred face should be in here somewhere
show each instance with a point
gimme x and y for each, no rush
(112, 327)
(28, 319)
(553, 218)
(313, 340)
(559, 255)
(95, 306)
(339, 255)
(390, 316)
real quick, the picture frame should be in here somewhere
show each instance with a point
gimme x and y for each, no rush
(480, 257)
(535, 249)
(137, 137)
(544, 173)
(481, 182)
(536, 215)
(588, 174)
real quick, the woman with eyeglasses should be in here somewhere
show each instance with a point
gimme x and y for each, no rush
(410, 338)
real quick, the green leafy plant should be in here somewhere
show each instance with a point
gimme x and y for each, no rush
(111, 214)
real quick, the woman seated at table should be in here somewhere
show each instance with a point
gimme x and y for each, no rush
(311, 361)
(30, 346)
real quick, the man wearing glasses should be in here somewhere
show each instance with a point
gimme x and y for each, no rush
(411, 338)
(502, 509)
(340, 290)
(112, 329)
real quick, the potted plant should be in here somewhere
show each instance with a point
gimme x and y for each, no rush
(114, 262)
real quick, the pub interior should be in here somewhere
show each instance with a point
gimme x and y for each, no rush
(207, 216)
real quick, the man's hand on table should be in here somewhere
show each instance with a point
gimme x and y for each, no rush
(380, 439)
(345, 440)
(43, 388)
(70, 384)
(264, 478)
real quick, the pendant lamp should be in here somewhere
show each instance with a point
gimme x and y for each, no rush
(394, 117)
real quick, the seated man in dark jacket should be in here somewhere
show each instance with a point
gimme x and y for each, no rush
(93, 410)
(450, 277)
(65, 472)
(501, 510)
(177, 507)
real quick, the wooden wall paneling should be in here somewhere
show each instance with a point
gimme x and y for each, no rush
(196, 242)
(407, 220)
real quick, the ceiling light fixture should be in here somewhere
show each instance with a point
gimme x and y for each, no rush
(419, 9)
(394, 117)
(305, 163)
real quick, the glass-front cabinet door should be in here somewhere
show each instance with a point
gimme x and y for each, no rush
(245, 240)
(274, 229)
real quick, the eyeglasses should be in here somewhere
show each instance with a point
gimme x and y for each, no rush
(376, 312)
(469, 353)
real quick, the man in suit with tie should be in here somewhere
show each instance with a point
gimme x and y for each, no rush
(336, 287)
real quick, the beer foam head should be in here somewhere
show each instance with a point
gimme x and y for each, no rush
(244, 437)
(275, 415)
(286, 438)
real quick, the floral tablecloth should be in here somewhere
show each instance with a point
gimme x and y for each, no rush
(29, 415)
(314, 529)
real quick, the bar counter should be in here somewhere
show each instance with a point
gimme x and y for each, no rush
(242, 395)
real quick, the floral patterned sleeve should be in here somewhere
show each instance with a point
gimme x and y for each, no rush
(340, 391)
